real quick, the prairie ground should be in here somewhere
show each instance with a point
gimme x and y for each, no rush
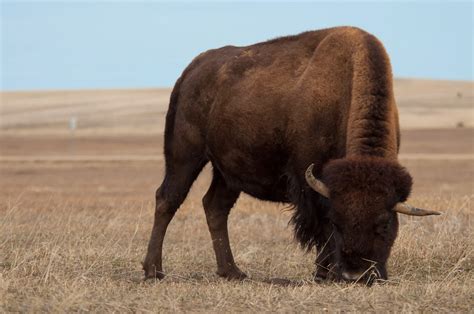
(76, 210)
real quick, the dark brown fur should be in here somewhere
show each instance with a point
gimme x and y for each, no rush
(261, 115)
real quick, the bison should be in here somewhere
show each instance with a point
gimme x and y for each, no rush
(308, 120)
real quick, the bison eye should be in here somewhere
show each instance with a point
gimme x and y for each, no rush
(382, 226)
(381, 229)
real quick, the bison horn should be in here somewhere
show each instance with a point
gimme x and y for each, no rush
(406, 209)
(316, 184)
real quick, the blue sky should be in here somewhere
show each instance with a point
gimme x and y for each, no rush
(69, 45)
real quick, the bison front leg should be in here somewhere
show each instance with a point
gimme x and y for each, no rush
(217, 202)
(326, 265)
(323, 263)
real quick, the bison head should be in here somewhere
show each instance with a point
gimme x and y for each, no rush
(364, 196)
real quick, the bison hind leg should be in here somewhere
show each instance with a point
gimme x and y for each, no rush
(178, 179)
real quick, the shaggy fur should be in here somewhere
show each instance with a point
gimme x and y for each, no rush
(310, 210)
(375, 177)
(261, 114)
(363, 191)
(372, 175)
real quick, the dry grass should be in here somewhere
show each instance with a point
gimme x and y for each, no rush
(75, 216)
(79, 248)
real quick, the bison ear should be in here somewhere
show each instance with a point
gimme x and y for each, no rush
(316, 184)
(403, 183)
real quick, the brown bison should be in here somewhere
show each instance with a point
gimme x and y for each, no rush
(309, 120)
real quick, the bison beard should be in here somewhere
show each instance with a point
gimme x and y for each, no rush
(261, 115)
(309, 214)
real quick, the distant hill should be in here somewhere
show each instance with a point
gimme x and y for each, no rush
(422, 104)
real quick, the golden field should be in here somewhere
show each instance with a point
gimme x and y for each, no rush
(76, 210)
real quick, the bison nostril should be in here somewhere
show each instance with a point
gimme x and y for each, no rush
(368, 276)
(352, 276)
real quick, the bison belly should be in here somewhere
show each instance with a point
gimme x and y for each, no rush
(251, 159)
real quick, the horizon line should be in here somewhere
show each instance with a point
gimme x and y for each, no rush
(137, 88)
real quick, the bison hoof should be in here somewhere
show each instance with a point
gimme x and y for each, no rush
(320, 275)
(232, 274)
(157, 275)
(152, 273)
